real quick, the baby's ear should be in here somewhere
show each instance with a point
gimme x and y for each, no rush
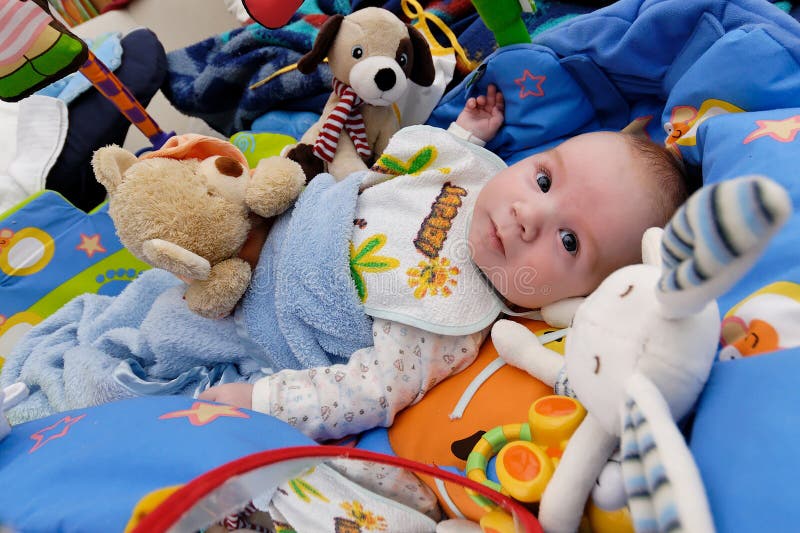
(110, 164)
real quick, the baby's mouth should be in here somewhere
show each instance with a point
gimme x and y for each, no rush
(496, 241)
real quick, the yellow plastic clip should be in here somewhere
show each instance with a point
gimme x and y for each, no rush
(415, 12)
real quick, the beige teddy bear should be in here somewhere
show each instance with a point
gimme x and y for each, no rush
(193, 208)
(373, 57)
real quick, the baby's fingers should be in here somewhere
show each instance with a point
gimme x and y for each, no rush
(491, 94)
(500, 101)
(210, 394)
(471, 103)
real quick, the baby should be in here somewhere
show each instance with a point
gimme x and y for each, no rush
(550, 227)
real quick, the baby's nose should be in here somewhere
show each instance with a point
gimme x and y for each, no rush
(529, 220)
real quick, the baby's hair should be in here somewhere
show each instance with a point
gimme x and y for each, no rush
(667, 172)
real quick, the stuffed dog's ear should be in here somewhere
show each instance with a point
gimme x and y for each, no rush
(422, 71)
(322, 45)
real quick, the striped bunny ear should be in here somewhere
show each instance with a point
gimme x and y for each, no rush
(664, 487)
(715, 238)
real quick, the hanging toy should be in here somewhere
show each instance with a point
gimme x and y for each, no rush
(271, 13)
(36, 50)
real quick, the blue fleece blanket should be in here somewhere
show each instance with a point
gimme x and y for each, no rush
(301, 310)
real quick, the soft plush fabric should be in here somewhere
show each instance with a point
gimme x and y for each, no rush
(51, 253)
(98, 349)
(302, 314)
(96, 122)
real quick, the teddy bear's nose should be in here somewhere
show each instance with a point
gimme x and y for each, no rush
(228, 166)
(385, 79)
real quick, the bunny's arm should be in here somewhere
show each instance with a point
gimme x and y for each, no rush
(584, 458)
(519, 347)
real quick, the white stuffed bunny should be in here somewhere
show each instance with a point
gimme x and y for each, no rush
(639, 352)
(9, 397)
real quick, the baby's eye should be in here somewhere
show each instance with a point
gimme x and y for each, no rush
(569, 240)
(543, 180)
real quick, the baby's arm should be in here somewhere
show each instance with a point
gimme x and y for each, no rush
(366, 392)
(481, 116)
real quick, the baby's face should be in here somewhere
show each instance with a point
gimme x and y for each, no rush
(556, 224)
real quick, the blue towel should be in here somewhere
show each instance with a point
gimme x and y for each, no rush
(302, 306)
(300, 311)
(98, 349)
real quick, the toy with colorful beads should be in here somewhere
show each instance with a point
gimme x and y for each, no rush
(527, 453)
(527, 456)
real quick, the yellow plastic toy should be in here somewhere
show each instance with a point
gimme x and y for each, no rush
(527, 456)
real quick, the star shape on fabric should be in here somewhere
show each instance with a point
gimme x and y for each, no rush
(201, 413)
(783, 131)
(56, 431)
(524, 90)
(91, 245)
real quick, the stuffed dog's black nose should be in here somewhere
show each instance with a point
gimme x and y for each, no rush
(385, 79)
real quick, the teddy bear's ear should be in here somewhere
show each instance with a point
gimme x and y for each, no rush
(176, 259)
(322, 44)
(109, 164)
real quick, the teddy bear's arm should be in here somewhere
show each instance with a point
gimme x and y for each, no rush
(275, 184)
(519, 347)
(216, 296)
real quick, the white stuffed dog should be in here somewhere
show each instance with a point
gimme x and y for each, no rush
(372, 55)
(639, 352)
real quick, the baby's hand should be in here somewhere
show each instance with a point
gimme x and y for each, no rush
(238, 394)
(483, 115)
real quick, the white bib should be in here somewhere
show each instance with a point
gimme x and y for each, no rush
(410, 258)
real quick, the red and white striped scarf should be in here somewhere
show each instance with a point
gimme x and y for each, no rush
(346, 115)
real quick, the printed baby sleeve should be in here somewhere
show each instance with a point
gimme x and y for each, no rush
(375, 384)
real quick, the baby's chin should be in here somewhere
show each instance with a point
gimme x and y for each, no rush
(523, 303)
